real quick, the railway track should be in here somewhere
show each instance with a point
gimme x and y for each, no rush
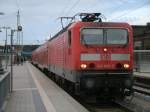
(121, 106)
(124, 106)
(144, 89)
(105, 109)
(117, 106)
(101, 105)
(142, 85)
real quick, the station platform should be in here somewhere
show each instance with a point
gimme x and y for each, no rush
(34, 92)
(142, 75)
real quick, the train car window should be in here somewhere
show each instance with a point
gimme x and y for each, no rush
(69, 38)
(92, 36)
(116, 36)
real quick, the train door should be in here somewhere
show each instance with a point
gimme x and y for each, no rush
(66, 50)
(47, 56)
(64, 56)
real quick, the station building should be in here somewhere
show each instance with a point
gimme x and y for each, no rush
(141, 35)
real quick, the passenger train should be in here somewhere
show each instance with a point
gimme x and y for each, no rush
(90, 57)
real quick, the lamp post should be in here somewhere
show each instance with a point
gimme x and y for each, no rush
(6, 48)
(1, 13)
(11, 55)
(11, 58)
(1, 68)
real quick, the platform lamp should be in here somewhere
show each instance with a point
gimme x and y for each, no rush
(19, 28)
(6, 47)
(1, 69)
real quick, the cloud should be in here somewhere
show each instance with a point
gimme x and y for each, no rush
(38, 17)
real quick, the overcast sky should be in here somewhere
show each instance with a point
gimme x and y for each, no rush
(39, 17)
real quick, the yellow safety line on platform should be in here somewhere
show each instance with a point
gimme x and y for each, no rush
(22, 89)
(47, 103)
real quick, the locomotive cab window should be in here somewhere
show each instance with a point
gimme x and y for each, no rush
(117, 36)
(104, 36)
(91, 36)
(69, 38)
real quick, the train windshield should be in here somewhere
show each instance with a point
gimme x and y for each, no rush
(116, 36)
(91, 36)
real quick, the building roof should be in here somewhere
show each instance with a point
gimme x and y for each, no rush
(141, 30)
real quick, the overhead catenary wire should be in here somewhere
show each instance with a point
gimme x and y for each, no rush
(66, 14)
(127, 13)
(65, 8)
(94, 4)
(72, 7)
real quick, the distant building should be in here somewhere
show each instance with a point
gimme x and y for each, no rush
(1, 49)
(19, 52)
(141, 35)
(27, 50)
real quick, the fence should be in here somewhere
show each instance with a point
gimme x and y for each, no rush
(4, 78)
(142, 60)
(4, 88)
(4, 60)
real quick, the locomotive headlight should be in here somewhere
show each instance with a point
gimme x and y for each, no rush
(105, 49)
(83, 66)
(126, 66)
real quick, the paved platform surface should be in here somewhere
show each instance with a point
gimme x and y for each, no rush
(34, 92)
(142, 74)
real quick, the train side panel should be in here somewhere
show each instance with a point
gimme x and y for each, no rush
(62, 52)
(40, 56)
(56, 55)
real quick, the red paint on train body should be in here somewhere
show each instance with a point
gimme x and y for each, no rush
(90, 54)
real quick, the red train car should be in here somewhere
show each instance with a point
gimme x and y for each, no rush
(40, 57)
(92, 57)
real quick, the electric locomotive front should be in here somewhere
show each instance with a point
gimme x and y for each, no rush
(91, 57)
(105, 58)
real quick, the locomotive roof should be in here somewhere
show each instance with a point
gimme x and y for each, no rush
(60, 32)
(102, 24)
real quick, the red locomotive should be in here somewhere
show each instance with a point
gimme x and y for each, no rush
(90, 57)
